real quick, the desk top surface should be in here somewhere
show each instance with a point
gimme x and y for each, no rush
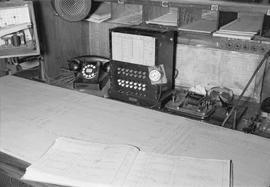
(33, 115)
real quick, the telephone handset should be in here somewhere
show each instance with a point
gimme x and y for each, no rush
(89, 69)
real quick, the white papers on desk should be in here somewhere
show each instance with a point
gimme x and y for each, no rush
(246, 26)
(159, 170)
(79, 163)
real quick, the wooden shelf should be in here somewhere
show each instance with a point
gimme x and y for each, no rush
(206, 4)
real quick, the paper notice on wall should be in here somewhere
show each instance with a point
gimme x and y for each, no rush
(214, 67)
(14, 16)
(197, 66)
(133, 48)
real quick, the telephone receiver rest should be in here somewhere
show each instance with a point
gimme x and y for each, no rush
(75, 64)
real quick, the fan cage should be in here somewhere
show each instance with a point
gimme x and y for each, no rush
(72, 10)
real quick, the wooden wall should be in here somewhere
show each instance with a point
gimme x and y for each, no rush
(99, 38)
(60, 39)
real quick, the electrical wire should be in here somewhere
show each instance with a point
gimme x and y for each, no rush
(158, 98)
(64, 79)
(266, 56)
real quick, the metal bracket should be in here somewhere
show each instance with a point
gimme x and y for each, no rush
(214, 7)
(121, 1)
(165, 4)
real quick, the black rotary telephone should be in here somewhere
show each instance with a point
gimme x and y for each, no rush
(89, 71)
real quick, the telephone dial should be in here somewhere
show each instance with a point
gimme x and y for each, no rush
(90, 71)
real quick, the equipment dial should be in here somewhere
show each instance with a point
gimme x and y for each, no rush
(155, 75)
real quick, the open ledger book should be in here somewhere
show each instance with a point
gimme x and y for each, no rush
(73, 162)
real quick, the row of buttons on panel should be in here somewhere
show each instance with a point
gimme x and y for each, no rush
(132, 73)
(132, 85)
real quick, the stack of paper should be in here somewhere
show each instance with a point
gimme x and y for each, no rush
(134, 18)
(201, 26)
(80, 163)
(206, 24)
(103, 13)
(246, 26)
(169, 19)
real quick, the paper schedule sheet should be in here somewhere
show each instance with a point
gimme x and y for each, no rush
(159, 170)
(79, 163)
(133, 48)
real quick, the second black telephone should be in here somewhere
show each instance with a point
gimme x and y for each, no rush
(88, 69)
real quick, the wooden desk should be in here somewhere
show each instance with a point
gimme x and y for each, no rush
(33, 115)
